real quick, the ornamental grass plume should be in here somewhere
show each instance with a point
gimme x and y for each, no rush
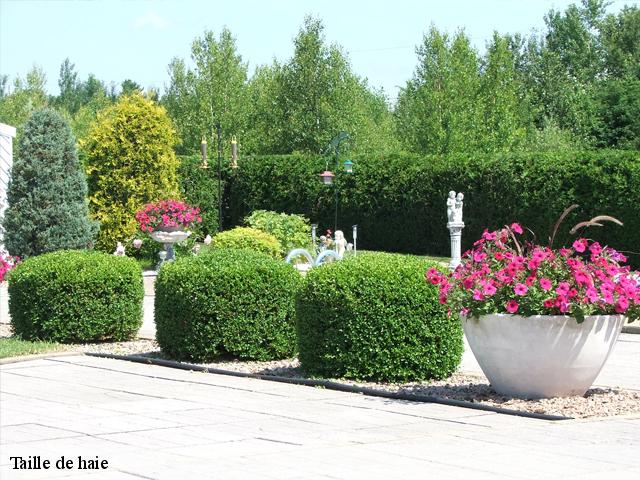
(504, 274)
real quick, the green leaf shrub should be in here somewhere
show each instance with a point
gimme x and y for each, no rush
(226, 301)
(398, 201)
(292, 231)
(250, 239)
(130, 162)
(76, 296)
(374, 317)
(47, 195)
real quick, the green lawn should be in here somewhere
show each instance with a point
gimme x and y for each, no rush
(14, 347)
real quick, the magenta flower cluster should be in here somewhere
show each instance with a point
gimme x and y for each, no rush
(502, 274)
(167, 215)
(7, 262)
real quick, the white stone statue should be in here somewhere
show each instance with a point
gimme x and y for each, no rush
(119, 250)
(457, 213)
(451, 205)
(341, 243)
(455, 226)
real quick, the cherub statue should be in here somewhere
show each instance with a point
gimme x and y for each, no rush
(119, 250)
(457, 216)
(451, 206)
(341, 243)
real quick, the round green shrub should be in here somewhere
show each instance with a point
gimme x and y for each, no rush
(291, 230)
(226, 301)
(250, 239)
(76, 296)
(374, 317)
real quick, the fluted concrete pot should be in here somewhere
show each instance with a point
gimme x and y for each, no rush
(542, 356)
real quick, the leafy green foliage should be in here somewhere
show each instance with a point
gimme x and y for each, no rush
(250, 239)
(292, 231)
(302, 104)
(28, 96)
(47, 207)
(130, 162)
(375, 317)
(214, 92)
(226, 301)
(75, 296)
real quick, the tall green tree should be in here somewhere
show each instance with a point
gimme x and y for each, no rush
(213, 92)
(69, 98)
(130, 161)
(28, 95)
(506, 119)
(47, 204)
(305, 102)
(437, 110)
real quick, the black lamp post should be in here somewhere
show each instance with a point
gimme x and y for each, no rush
(205, 164)
(219, 131)
(328, 176)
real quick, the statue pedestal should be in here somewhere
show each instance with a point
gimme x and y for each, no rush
(455, 231)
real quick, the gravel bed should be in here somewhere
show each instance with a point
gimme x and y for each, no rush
(597, 402)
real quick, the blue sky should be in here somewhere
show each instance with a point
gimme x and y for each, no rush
(118, 39)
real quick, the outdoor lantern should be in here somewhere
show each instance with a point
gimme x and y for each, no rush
(234, 152)
(203, 152)
(348, 166)
(327, 177)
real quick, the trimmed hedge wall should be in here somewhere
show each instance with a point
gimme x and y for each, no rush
(76, 296)
(226, 301)
(398, 201)
(374, 317)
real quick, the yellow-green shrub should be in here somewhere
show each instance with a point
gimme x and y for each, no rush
(248, 239)
(130, 162)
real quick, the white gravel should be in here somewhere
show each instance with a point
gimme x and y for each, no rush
(598, 402)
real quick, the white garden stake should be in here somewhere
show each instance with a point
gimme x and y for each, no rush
(455, 226)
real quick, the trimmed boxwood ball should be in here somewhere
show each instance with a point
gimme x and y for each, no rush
(248, 238)
(374, 317)
(226, 301)
(76, 296)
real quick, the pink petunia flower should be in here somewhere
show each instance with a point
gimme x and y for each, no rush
(545, 284)
(580, 245)
(512, 306)
(563, 288)
(520, 289)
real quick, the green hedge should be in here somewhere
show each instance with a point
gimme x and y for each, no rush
(374, 317)
(398, 201)
(76, 296)
(199, 187)
(226, 301)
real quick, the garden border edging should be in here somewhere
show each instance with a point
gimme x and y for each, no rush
(328, 384)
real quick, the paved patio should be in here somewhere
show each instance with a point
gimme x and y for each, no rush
(155, 423)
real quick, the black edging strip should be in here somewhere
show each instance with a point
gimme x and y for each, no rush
(328, 384)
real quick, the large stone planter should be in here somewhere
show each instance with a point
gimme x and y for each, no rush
(541, 356)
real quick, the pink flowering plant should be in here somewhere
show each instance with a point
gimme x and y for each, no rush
(502, 273)
(7, 262)
(167, 215)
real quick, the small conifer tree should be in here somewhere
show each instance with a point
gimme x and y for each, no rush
(47, 195)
